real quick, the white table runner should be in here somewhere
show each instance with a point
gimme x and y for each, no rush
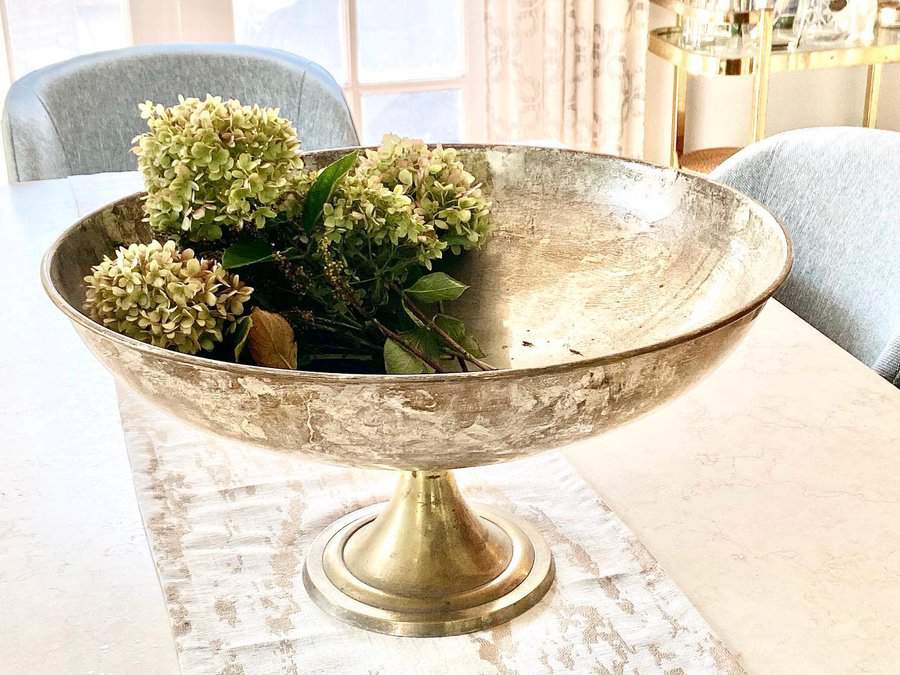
(228, 526)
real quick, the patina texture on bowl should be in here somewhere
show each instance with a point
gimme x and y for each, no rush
(608, 287)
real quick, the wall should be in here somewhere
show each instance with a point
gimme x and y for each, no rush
(718, 109)
(154, 21)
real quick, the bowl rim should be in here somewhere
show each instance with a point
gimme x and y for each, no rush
(240, 369)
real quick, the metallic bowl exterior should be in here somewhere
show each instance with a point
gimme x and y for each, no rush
(444, 424)
(446, 421)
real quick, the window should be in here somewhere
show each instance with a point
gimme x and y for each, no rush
(41, 32)
(413, 67)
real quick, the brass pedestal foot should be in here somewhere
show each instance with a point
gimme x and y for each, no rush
(426, 564)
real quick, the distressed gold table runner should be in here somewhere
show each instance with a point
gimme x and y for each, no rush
(228, 526)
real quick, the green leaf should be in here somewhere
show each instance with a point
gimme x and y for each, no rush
(456, 240)
(398, 361)
(411, 315)
(424, 340)
(240, 329)
(436, 287)
(470, 344)
(246, 252)
(452, 326)
(323, 187)
(205, 231)
(456, 329)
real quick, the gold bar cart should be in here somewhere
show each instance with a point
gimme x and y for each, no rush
(669, 44)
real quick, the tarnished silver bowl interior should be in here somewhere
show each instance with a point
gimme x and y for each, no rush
(608, 287)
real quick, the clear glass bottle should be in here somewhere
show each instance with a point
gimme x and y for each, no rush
(817, 22)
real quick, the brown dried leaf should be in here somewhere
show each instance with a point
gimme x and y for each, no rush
(271, 340)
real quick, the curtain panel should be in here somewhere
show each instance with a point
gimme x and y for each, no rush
(571, 71)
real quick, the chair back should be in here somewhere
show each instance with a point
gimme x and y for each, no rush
(80, 116)
(836, 192)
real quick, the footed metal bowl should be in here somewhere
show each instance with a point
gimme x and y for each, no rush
(609, 287)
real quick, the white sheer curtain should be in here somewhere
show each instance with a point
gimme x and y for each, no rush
(570, 71)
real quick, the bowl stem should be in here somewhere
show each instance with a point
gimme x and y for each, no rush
(427, 563)
(428, 543)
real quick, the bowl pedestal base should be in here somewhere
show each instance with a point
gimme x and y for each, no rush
(427, 564)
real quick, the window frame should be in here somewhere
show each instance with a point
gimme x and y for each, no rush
(9, 61)
(473, 126)
(184, 23)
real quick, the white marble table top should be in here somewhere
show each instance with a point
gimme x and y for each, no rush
(769, 493)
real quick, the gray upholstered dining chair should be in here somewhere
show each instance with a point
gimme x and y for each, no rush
(836, 191)
(80, 116)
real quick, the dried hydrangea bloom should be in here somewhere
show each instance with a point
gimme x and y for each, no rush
(210, 166)
(164, 296)
(405, 193)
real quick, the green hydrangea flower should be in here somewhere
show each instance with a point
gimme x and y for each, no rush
(405, 203)
(211, 166)
(446, 198)
(164, 296)
(405, 193)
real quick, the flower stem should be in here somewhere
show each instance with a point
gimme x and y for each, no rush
(354, 331)
(400, 340)
(454, 346)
